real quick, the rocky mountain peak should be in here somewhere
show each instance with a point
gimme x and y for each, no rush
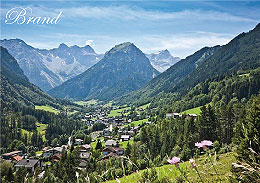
(63, 46)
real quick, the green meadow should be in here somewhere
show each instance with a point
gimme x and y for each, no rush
(47, 108)
(40, 129)
(117, 112)
(136, 123)
(89, 102)
(223, 167)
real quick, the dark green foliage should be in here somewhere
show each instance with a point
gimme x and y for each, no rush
(208, 124)
(6, 171)
(64, 170)
(206, 76)
(249, 147)
(87, 139)
(99, 145)
(98, 127)
(10, 176)
(170, 77)
(20, 175)
(15, 86)
(28, 122)
(16, 117)
(128, 149)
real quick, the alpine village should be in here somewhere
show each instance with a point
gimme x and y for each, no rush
(119, 117)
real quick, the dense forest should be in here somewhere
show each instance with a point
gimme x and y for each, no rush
(233, 127)
(15, 118)
(240, 55)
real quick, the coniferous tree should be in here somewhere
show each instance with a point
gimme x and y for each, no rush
(128, 149)
(249, 148)
(98, 145)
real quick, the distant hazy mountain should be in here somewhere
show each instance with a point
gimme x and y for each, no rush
(15, 86)
(50, 68)
(162, 60)
(123, 69)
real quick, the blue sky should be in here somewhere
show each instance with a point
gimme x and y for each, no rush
(181, 27)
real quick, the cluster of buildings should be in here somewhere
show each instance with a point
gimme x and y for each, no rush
(124, 133)
(101, 116)
(111, 149)
(20, 160)
(52, 154)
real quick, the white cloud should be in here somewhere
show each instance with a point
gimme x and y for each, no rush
(89, 42)
(128, 13)
(183, 45)
(124, 12)
(180, 45)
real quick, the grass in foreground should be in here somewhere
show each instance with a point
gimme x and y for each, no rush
(223, 166)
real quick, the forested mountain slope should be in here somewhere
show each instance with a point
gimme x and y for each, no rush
(240, 55)
(123, 69)
(15, 86)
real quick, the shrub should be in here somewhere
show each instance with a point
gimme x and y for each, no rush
(216, 146)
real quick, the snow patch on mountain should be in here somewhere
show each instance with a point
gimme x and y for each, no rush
(50, 68)
(162, 60)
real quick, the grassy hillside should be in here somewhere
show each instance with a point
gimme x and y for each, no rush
(117, 112)
(47, 108)
(40, 129)
(136, 123)
(195, 110)
(124, 143)
(144, 106)
(223, 167)
(89, 102)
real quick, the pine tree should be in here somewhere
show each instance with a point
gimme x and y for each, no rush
(10, 176)
(99, 145)
(87, 139)
(128, 149)
(249, 148)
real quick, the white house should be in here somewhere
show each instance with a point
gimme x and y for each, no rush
(50, 152)
(125, 137)
(78, 142)
(111, 143)
(173, 115)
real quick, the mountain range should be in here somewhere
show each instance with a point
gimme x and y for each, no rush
(123, 69)
(50, 68)
(126, 75)
(15, 86)
(241, 54)
(162, 60)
